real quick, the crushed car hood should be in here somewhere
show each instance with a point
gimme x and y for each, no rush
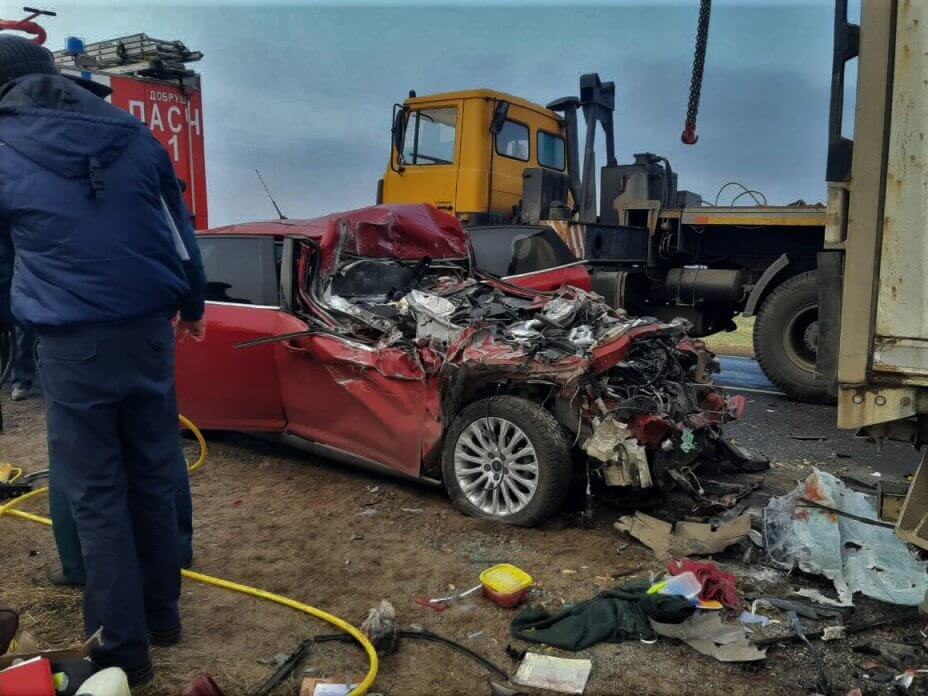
(636, 386)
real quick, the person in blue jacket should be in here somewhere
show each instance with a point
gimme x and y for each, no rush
(105, 258)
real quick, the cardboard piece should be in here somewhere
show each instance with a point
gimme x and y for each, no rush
(76, 652)
(707, 634)
(687, 538)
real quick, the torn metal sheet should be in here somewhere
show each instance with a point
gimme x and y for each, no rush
(854, 555)
(669, 540)
(706, 634)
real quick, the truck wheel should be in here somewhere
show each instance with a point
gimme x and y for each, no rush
(786, 339)
(507, 459)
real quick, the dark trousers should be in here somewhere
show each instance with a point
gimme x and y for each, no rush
(24, 357)
(69, 543)
(112, 441)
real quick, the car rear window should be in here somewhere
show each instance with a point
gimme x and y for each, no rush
(518, 249)
(240, 270)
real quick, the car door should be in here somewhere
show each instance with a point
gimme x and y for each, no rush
(220, 386)
(382, 405)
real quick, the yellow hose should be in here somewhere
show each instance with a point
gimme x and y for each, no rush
(360, 690)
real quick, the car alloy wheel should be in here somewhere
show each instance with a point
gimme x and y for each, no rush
(496, 466)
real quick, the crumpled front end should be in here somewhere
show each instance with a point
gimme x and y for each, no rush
(632, 394)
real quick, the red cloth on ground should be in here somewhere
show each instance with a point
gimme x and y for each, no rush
(716, 584)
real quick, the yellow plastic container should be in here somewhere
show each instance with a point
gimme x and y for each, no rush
(505, 584)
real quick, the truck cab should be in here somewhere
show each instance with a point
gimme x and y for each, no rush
(466, 152)
(496, 160)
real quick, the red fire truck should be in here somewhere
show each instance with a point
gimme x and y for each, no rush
(150, 79)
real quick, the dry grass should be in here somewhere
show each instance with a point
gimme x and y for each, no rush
(739, 342)
(273, 518)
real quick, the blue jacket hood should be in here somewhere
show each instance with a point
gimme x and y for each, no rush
(59, 125)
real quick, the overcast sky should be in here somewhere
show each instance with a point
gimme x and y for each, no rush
(304, 90)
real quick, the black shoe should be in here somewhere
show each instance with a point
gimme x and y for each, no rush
(57, 578)
(165, 639)
(140, 676)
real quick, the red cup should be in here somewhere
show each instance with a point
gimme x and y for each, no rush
(204, 686)
(32, 678)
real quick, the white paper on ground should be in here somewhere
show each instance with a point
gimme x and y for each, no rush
(561, 674)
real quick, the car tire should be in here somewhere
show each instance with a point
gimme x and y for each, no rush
(537, 430)
(784, 334)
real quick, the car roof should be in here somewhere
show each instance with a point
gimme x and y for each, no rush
(406, 232)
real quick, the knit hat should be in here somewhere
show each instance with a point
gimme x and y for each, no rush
(19, 56)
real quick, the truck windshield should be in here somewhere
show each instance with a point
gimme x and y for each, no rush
(430, 136)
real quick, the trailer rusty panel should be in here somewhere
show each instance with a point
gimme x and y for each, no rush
(901, 343)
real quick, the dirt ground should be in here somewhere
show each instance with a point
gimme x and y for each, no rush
(343, 539)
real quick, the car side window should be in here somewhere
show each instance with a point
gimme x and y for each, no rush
(240, 270)
(512, 141)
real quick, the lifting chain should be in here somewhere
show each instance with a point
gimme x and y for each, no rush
(689, 136)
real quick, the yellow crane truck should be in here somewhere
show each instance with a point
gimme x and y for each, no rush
(492, 158)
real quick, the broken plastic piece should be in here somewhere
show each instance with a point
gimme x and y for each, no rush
(682, 585)
(561, 674)
(750, 618)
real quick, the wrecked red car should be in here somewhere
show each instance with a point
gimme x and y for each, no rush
(369, 337)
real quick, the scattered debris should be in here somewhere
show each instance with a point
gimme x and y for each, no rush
(807, 611)
(679, 584)
(896, 655)
(890, 497)
(326, 687)
(460, 595)
(858, 624)
(560, 674)
(750, 618)
(821, 685)
(275, 660)
(613, 616)
(505, 585)
(855, 556)
(706, 634)
(26, 650)
(380, 627)
(717, 585)
(668, 539)
(819, 598)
